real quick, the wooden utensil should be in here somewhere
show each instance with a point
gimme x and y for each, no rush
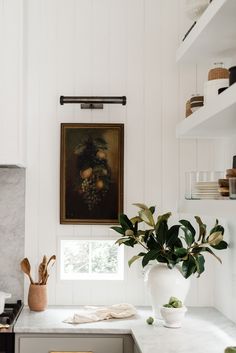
(26, 268)
(42, 270)
(53, 257)
(52, 260)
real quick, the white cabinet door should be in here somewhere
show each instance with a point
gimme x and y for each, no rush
(74, 344)
(94, 345)
(11, 83)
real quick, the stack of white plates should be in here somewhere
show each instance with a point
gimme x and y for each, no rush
(206, 190)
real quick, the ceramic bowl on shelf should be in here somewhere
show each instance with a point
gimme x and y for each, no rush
(195, 8)
(173, 317)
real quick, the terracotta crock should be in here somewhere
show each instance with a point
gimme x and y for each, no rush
(37, 297)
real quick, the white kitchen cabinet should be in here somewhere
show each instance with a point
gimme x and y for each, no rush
(47, 343)
(136, 349)
(12, 128)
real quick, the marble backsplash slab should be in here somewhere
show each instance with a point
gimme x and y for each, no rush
(12, 229)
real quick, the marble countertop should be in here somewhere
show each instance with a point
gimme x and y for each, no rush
(203, 330)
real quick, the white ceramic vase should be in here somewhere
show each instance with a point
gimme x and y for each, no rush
(163, 283)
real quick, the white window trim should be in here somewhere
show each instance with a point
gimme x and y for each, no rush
(85, 276)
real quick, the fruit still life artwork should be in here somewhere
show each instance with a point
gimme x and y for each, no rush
(95, 172)
(91, 173)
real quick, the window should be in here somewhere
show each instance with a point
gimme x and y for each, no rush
(91, 259)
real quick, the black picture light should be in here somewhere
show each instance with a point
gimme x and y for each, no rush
(92, 102)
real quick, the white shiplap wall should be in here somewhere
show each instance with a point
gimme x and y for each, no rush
(12, 147)
(107, 47)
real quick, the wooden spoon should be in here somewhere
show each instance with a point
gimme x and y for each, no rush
(26, 268)
(52, 258)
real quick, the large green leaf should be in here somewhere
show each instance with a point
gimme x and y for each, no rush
(172, 235)
(126, 241)
(151, 255)
(162, 218)
(136, 229)
(122, 240)
(188, 236)
(118, 230)
(221, 246)
(134, 258)
(152, 242)
(147, 233)
(142, 206)
(178, 243)
(180, 252)
(152, 209)
(125, 222)
(202, 229)
(161, 235)
(189, 267)
(136, 219)
(189, 226)
(200, 261)
(161, 258)
(147, 217)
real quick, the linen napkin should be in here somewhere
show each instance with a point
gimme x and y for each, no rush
(93, 314)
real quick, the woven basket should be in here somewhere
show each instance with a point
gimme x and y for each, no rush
(218, 73)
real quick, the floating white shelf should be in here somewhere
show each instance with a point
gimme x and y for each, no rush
(214, 208)
(215, 120)
(213, 36)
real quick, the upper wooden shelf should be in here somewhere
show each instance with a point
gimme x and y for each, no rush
(215, 120)
(213, 36)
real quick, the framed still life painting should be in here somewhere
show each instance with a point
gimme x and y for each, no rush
(92, 165)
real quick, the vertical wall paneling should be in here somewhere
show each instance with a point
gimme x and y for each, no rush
(11, 85)
(32, 40)
(123, 47)
(153, 96)
(170, 101)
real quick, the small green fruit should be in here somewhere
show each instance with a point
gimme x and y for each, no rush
(177, 304)
(172, 300)
(167, 306)
(150, 320)
(230, 350)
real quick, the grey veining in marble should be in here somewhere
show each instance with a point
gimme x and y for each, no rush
(12, 223)
(203, 330)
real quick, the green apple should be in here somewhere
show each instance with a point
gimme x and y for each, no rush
(150, 320)
(230, 350)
